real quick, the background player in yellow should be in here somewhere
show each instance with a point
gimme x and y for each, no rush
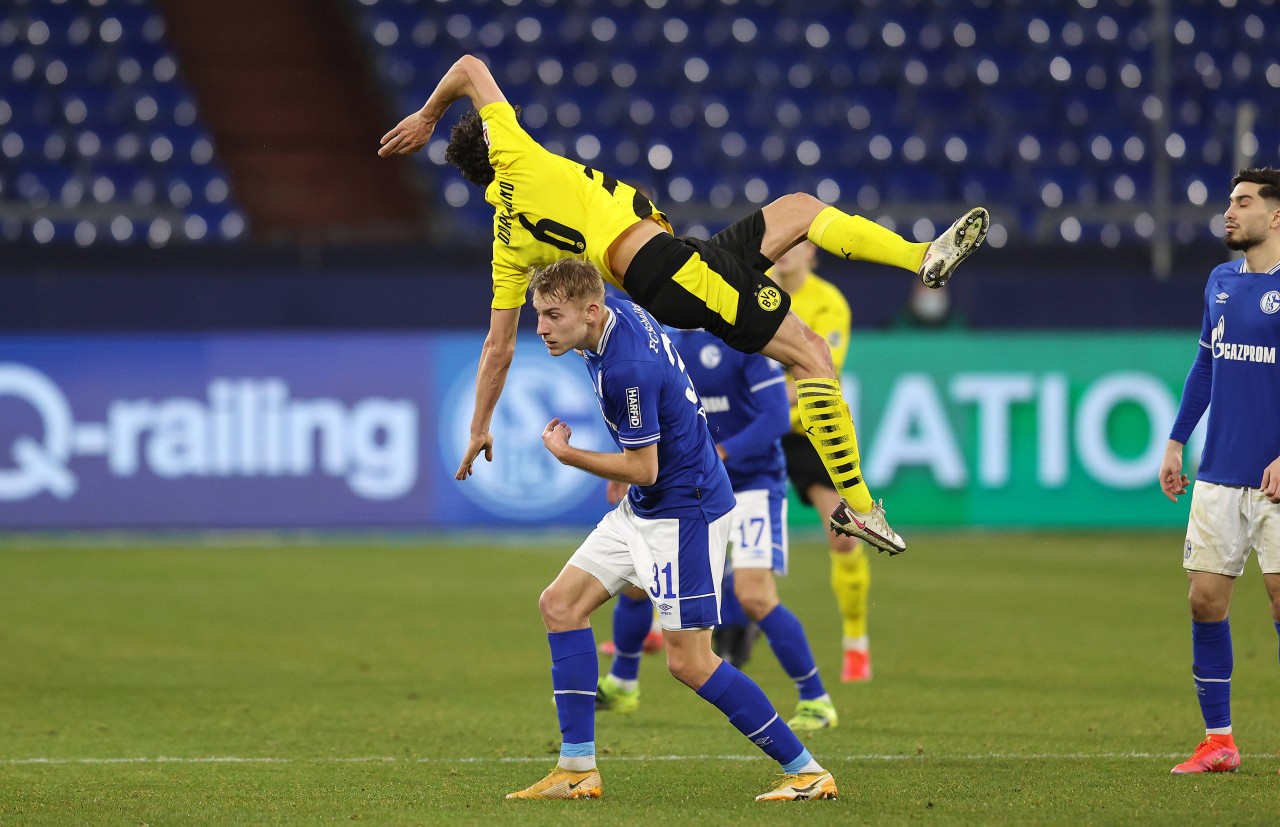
(822, 306)
(548, 208)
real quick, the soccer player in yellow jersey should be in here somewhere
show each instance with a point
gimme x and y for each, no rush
(548, 208)
(822, 306)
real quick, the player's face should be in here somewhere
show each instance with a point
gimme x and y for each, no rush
(563, 324)
(1250, 219)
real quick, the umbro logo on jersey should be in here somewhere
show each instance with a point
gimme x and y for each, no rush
(1222, 298)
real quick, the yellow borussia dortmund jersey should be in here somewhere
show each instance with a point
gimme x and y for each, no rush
(822, 306)
(547, 208)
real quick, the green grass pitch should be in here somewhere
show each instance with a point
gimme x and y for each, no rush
(1019, 678)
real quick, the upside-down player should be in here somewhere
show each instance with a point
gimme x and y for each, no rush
(548, 208)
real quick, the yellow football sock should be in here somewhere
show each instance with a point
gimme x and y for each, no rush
(827, 423)
(851, 580)
(854, 237)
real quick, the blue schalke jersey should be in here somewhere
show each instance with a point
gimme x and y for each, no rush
(745, 397)
(646, 398)
(1241, 336)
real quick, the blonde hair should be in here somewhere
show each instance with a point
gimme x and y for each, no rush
(568, 279)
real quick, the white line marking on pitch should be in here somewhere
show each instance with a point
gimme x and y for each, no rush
(606, 759)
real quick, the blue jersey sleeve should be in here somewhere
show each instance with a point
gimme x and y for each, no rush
(1195, 397)
(1196, 390)
(766, 382)
(631, 397)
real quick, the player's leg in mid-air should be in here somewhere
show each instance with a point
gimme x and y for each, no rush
(823, 413)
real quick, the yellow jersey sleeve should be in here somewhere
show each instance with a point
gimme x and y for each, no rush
(547, 208)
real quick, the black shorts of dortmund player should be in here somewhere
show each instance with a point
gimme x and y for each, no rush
(804, 466)
(718, 284)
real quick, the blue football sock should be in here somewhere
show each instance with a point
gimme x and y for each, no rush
(791, 646)
(747, 708)
(1278, 627)
(574, 672)
(1211, 667)
(632, 620)
(731, 613)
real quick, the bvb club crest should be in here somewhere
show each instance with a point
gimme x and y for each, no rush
(770, 298)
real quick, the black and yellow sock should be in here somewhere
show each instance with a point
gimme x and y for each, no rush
(851, 581)
(827, 424)
(854, 237)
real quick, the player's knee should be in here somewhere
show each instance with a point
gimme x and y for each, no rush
(802, 204)
(556, 609)
(820, 352)
(1208, 607)
(686, 672)
(755, 606)
(691, 668)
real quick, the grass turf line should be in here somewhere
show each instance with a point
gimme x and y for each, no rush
(995, 656)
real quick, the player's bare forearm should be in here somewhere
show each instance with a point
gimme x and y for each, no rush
(623, 467)
(466, 78)
(634, 466)
(491, 377)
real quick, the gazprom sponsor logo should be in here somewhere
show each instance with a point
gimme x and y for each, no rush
(1235, 352)
(237, 427)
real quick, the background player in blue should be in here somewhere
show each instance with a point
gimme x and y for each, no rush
(1234, 504)
(667, 536)
(745, 399)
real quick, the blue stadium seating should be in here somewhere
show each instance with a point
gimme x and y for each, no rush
(95, 121)
(935, 103)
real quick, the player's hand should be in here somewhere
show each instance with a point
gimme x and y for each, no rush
(475, 445)
(615, 492)
(1172, 481)
(1271, 481)
(409, 136)
(556, 437)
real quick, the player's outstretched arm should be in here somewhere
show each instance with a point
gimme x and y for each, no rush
(1172, 481)
(467, 78)
(1271, 481)
(495, 360)
(634, 466)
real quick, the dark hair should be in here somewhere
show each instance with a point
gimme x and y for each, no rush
(467, 150)
(1268, 177)
(568, 279)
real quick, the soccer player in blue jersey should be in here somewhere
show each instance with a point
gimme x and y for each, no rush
(547, 207)
(745, 399)
(668, 536)
(1234, 504)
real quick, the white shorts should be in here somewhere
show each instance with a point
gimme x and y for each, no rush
(679, 562)
(759, 535)
(1226, 522)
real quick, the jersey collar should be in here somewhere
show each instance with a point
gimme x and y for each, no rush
(610, 322)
